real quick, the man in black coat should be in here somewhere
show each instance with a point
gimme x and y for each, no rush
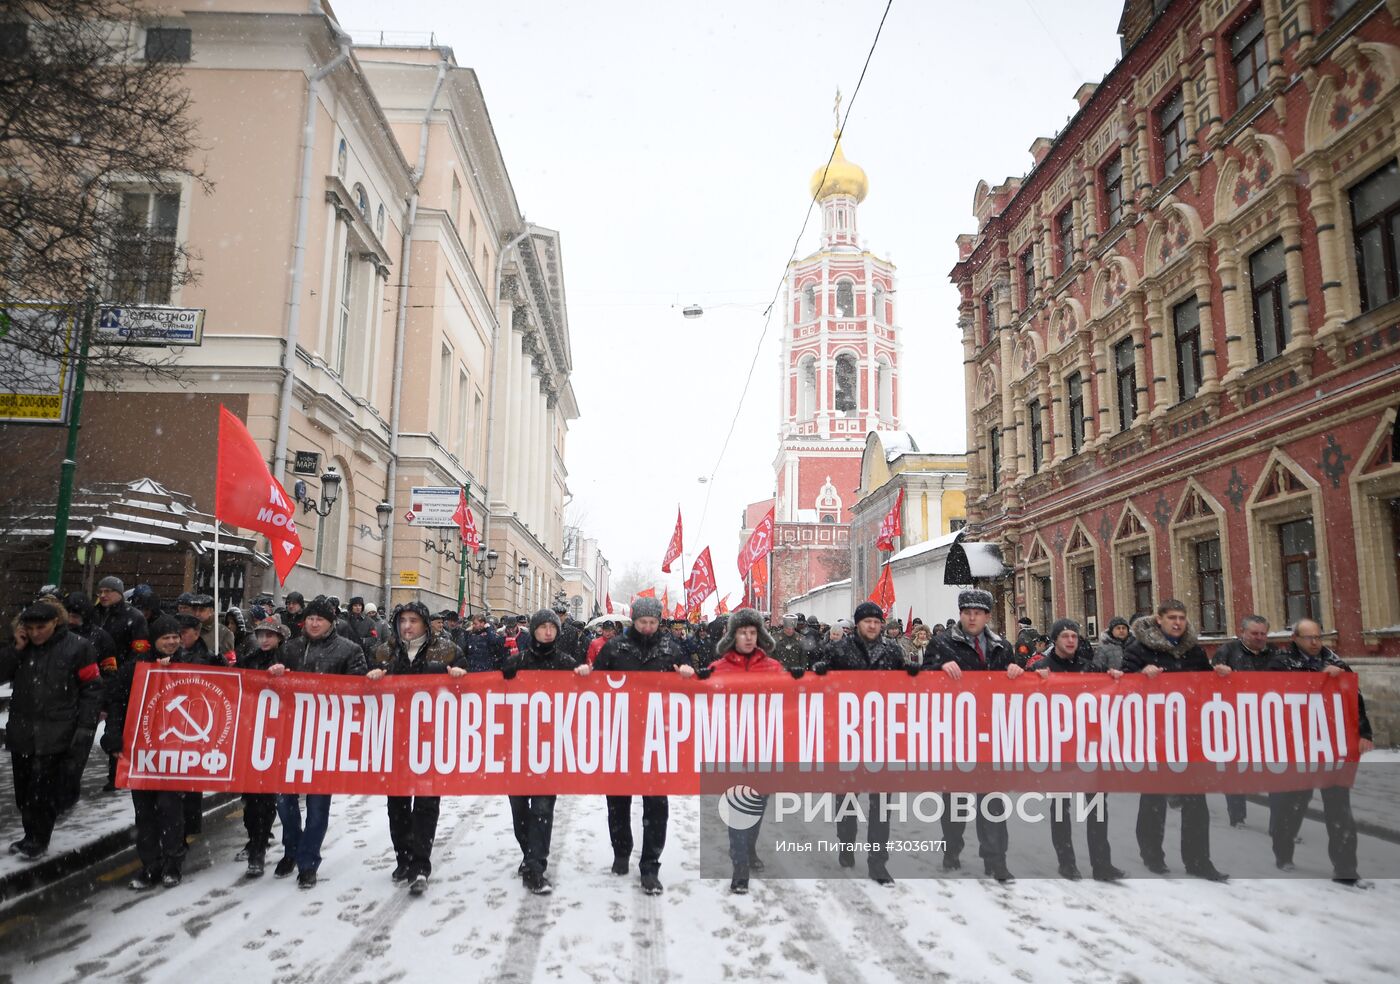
(1307, 654)
(482, 646)
(54, 704)
(867, 648)
(1166, 643)
(129, 632)
(163, 816)
(260, 809)
(317, 650)
(643, 648)
(1248, 653)
(414, 649)
(292, 612)
(533, 816)
(80, 622)
(1067, 655)
(971, 646)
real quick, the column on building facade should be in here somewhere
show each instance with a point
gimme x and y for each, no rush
(1156, 338)
(1023, 447)
(1273, 42)
(1200, 281)
(531, 496)
(1142, 177)
(970, 388)
(544, 480)
(1290, 227)
(1087, 391)
(1139, 332)
(1323, 206)
(1213, 120)
(1227, 267)
(1103, 401)
(512, 402)
(1010, 438)
(1188, 108)
(1059, 415)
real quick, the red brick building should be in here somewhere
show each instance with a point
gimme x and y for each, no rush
(1182, 333)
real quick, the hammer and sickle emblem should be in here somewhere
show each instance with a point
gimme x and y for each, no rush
(201, 732)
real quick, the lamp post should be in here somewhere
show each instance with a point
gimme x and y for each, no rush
(330, 492)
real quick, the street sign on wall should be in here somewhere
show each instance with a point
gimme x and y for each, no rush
(432, 506)
(153, 325)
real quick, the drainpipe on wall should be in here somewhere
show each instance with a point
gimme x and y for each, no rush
(491, 399)
(401, 329)
(293, 329)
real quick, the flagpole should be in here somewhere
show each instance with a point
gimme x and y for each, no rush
(462, 561)
(218, 617)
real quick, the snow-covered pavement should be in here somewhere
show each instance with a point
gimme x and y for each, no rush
(477, 923)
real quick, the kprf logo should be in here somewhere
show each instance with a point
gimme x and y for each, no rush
(188, 725)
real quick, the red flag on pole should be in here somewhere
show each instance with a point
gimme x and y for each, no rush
(701, 583)
(608, 598)
(883, 595)
(246, 494)
(673, 549)
(891, 526)
(759, 545)
(722, 608)
(466, 523)
(648, 593)
(665, 602)
(758, 585)
(909, 621)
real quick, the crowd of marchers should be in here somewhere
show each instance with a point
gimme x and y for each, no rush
(72, 662)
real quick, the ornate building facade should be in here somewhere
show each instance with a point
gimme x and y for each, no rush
(1181, 333)
(840, 380)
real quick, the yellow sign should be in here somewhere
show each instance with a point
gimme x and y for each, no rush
(408, 579)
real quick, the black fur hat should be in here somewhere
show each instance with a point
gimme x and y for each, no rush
(743, 618)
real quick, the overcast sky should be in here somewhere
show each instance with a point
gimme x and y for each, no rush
(671, 144)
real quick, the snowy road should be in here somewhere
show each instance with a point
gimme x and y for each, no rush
(477, 923)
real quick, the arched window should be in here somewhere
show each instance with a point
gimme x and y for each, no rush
(809, 303)
(806, 388)
(879, 302)
(845, 300)
(342, 158)
(362, 201)
(847, 384)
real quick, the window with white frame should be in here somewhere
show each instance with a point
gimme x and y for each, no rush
(144, 246)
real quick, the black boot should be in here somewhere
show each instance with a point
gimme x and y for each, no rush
(739, 884)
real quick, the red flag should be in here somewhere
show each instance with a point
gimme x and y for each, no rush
(608, 599)
(759, 545)
(909, 621)
(648, 593)
(466, 523)
(665, 602)
(891, 526)
(722, 608)
(758, 584)
(883, 595)
(701, 583)
(673, 549)
(246, 494)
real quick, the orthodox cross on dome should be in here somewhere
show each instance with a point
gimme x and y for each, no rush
(836, 109)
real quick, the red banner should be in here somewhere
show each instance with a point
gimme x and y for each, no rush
(659, 734)
(466, 524)
(758, 545)
(609, 602)
(701, 583)
(673, 549)
(246, 494)
(883, 595)
(892, 525)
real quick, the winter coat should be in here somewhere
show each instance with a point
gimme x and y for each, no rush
(330, 654)
(363, 630)
(1294, 660)
(854, 653)
(791, 650)
(1236, 656)
(57, 691)
(127, 627)
(1148, 646)
(221, 644)
(292, 622)
(438, 653)
(955, 646)
(102, 642)
(633, 652)
(483, 650)
(118, 694)
(1110, 650)
(595, 647)
(1085, 660)
(253, 658)
(539, 656)
(755, 662)
(571, 640)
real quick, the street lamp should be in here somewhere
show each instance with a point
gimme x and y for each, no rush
(383, 513)
(330, 491)
(520, 578)
(486, 566)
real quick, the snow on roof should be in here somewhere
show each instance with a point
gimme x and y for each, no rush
(928, 545)
(896, 443)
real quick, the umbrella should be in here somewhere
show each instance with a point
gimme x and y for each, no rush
(619, 619)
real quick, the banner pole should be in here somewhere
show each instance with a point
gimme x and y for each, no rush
(218, 615)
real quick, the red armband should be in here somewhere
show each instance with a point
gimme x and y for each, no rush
(140, 647)
(88, 672)
(230, 657)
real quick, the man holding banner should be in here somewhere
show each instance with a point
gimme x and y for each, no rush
(972, 646)
(642, 648)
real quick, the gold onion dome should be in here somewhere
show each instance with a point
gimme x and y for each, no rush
(841, 178)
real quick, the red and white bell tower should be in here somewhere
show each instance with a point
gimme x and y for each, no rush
(840, 357)
(840, 380)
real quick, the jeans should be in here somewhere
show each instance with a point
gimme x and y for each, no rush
(412, 827)
(259, 809)
(1062, 835)
(160, 830)
(533, 818)
(1195, 830)
(1288, 809)
(877, 830)
(39, 784)
(655, 812)
(304, 844)
(992, 839)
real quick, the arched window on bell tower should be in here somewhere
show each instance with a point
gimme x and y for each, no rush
(884, 389)
(828, 503)
(845, 299)
(806, 388)
(847, 384)
(809, 303)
